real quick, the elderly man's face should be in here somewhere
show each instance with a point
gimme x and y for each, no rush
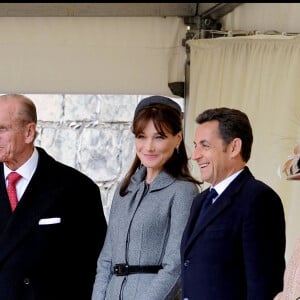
(15, 137)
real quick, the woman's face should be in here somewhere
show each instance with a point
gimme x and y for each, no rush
(153, 149)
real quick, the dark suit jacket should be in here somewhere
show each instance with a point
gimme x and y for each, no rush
(238, 252)
(55, 261)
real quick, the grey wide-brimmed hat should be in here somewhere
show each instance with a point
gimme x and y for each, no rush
(157, 100)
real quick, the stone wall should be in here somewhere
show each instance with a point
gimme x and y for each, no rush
(90, 133)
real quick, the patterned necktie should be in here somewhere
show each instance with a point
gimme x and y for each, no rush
(13, 178)
(206, 204)
(208, 201)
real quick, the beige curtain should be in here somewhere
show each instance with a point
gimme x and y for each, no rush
(91, 55)
(261, 76)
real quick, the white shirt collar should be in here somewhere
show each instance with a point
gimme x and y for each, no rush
(221, 186)
(27, 169)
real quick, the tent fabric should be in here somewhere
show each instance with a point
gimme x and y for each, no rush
(261, 76)
(91, 55)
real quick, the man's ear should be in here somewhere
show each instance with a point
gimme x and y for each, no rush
(30, 132)
(235, 147)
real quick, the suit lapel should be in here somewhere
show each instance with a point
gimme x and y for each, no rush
(215, 210)
(197, 203)
(5, 210)
(38, 197)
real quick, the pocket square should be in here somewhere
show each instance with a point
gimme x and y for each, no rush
(49, 221)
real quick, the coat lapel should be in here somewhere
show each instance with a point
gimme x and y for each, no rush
(195, 210)
(137, 188)
(5, 210)
(36, 200)
(215, 210)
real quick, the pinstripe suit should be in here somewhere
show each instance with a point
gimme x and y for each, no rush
(238, 252)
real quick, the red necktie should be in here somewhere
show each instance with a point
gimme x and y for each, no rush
(13, 178)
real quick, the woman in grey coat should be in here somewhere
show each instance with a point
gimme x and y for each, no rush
(140, 259)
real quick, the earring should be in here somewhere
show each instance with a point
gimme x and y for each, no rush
(177, 150)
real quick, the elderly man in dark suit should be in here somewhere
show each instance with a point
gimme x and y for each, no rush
(51, 237)
(234, 250)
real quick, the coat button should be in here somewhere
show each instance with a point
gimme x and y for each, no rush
(26, 281)
(186, 263)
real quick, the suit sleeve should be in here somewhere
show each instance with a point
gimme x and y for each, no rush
(85, 233)
(264, 245)
(104, 264)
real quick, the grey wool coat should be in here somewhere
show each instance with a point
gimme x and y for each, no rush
(145, 230)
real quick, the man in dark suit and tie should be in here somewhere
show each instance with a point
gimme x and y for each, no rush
(235, 249)
(49, 242)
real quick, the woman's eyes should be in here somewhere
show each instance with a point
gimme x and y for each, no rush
(159, 137)
(140, 136)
